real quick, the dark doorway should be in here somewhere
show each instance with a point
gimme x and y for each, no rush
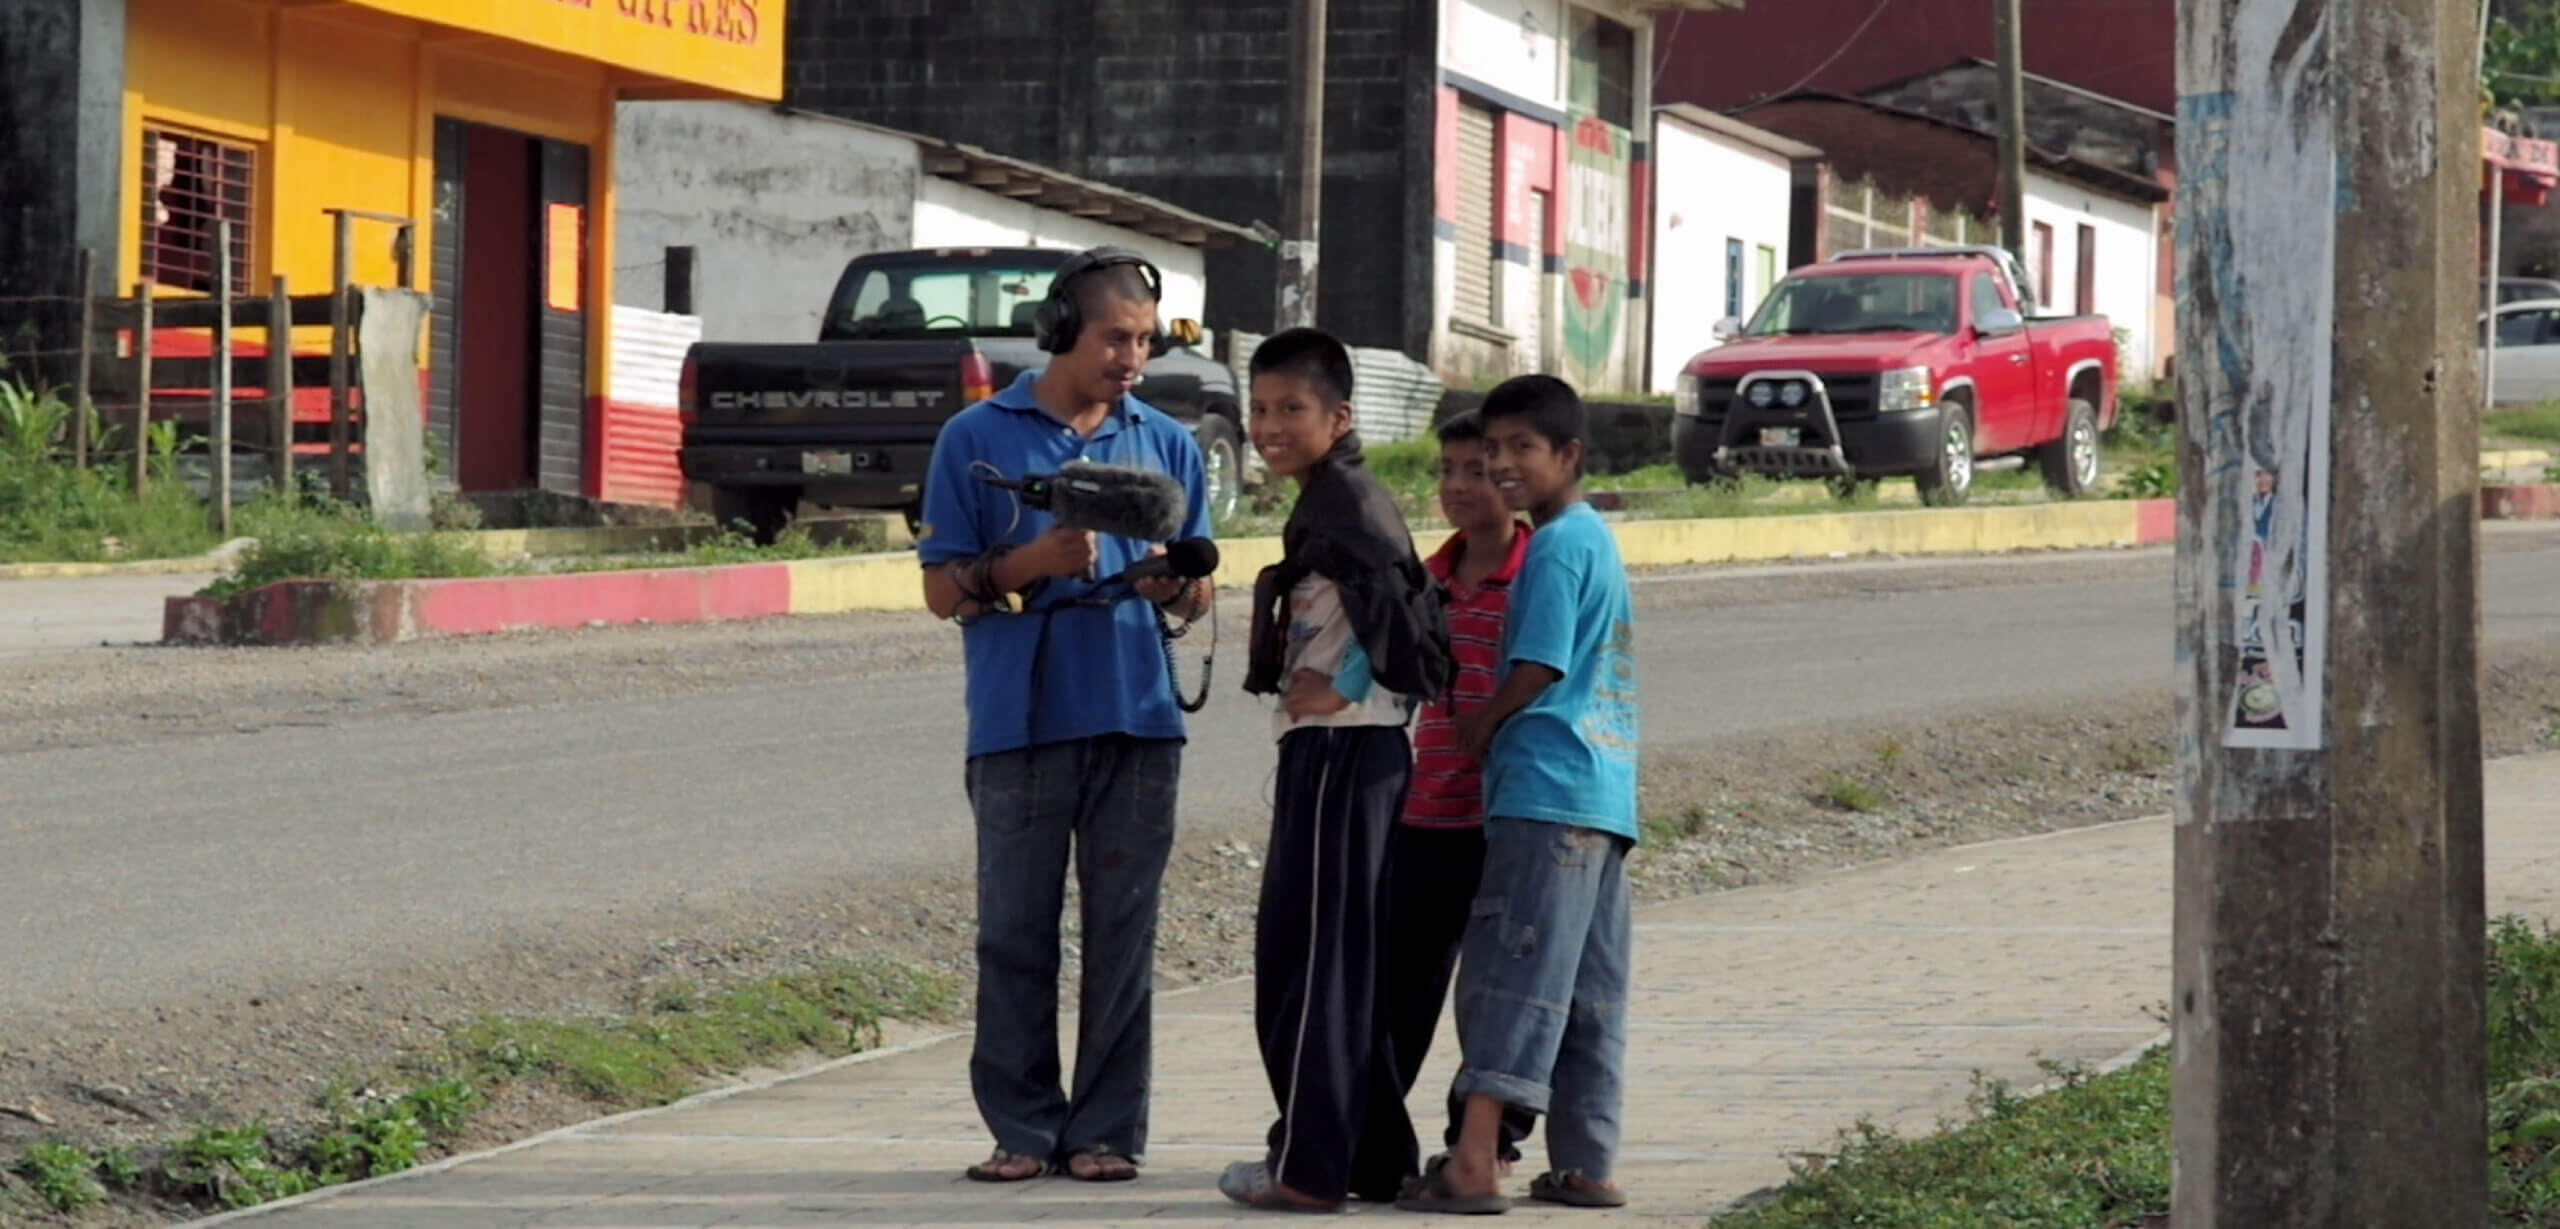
(507, 384)
(496, 383)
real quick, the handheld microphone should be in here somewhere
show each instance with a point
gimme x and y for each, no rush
(1189, 559)
(1109, 499)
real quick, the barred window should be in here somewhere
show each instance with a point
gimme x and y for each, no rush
(190, 183)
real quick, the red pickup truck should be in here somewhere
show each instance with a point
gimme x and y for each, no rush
(1916, 361)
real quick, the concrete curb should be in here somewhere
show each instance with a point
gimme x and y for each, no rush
(218, 559)
(379, 612)
(2514, 458)
(2535, 501)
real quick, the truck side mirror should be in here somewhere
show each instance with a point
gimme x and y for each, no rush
(1726, 329)
(1998, 322)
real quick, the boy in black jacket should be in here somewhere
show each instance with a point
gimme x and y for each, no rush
(1348, 632)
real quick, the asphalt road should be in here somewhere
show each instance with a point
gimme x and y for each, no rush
(317, 850)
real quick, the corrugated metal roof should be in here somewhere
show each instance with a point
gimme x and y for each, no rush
(1726, 125)
(1392, 396)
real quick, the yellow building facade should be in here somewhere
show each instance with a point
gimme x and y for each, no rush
(486, 124)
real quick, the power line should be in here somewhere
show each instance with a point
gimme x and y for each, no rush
(1834, 57)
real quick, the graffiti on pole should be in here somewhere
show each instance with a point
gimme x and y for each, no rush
(2257, 238)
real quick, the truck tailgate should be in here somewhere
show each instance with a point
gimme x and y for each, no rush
(783, 394)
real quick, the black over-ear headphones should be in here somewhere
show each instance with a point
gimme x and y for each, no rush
(1060, 318)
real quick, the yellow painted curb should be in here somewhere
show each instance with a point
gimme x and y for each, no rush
(890, 582)
(593, 540)
(2514, 458)
(856, 582)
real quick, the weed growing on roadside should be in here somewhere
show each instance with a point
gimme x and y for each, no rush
(333, 541)
(1672, 829)
(2136, 758)
(2540, 423)
(1850, 794)
(656, 1056)
(2094, 1150)
(231, 1166)
(1889, 753)
(63, 1176)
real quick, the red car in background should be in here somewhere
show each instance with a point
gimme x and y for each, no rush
(1917, 361)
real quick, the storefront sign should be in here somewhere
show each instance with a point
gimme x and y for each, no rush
(730, 47)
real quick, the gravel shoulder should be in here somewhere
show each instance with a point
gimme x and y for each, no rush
(1785, 802)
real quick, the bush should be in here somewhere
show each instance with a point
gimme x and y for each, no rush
(53, 512)
(332, 541)
(1625, 435)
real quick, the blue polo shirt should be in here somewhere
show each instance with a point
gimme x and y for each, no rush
(1104, 668)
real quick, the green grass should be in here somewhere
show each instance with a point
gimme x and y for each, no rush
(53, 512)
(1855, 796)
(682, 1037)
(2540, 423)
(2094, 1151)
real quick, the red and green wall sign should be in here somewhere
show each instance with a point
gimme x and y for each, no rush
(1597, 215)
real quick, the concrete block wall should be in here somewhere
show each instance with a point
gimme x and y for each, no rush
(1178, 99)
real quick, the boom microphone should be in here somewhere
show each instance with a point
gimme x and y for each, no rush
(1189, 559)
(1110, 499)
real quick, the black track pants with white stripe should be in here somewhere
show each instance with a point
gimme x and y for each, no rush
(1319, 959)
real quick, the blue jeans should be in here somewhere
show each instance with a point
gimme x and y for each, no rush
(1542, 985)
(1112, 800)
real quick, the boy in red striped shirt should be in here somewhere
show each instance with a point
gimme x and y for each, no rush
(1437, 852)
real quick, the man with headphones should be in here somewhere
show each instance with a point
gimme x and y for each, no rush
(1075, 735)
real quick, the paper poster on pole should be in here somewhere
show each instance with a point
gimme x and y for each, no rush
(2264, 201)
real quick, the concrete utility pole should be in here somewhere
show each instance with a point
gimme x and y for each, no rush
(2008, 44)
(2329, 950)
(1302, 179)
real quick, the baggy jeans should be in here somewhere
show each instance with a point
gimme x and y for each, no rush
(1111, 800)
(1542, 986)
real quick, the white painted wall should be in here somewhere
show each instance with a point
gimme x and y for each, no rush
(1711, 188)
(774, 204)
(950, 214)
(2128, 255)
(1511, 45)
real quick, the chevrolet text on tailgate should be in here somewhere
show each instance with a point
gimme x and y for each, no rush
(1918, 361)
(909, 339)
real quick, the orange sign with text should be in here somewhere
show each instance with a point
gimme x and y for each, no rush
(729, 46)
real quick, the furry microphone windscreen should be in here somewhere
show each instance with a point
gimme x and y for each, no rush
(1118, 500)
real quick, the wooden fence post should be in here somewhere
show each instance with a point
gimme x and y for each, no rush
(80, 379)
(222, 374)
(280, 384)
(339, 339)
(143, 314)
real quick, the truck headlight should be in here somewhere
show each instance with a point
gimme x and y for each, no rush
(1684, 396)
(1906, 388)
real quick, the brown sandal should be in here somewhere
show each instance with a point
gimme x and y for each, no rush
(1105, 1165)
(1001, 1167)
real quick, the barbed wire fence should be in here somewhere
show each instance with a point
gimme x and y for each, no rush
(155, 388)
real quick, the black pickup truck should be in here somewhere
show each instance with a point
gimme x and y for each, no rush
(910, 338)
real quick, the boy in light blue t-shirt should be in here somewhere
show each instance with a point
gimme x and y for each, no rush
(1542, 979)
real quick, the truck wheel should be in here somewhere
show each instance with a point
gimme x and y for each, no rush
(762, 510)
(2071, 463)
(1949, 479)
(1222, 455)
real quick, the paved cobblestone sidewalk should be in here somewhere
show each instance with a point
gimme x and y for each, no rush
(1765, 1020)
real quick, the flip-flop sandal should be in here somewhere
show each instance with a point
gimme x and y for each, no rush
(1431, 1193)
(1108, 1166)
(1567, 1187)
(1250, 1183)
(999, 1168)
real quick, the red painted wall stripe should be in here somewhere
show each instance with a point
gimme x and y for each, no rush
(1525, 161)
(478, 607)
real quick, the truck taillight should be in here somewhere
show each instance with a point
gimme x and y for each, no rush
(977, 379)
(684, 391)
